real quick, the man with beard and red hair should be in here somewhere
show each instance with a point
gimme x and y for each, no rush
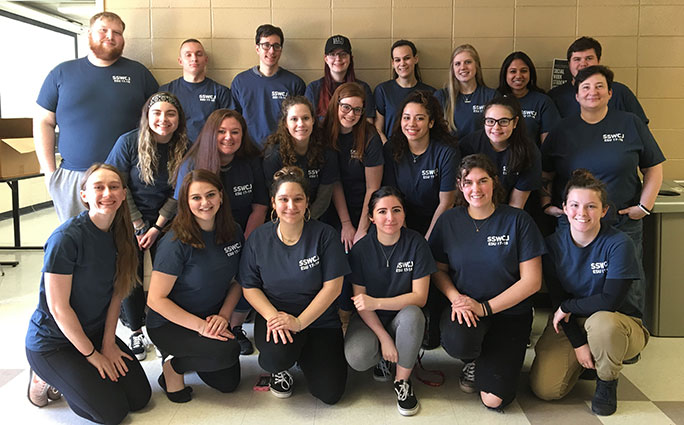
(93, 100)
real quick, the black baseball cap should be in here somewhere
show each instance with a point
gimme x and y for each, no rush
(338, 42)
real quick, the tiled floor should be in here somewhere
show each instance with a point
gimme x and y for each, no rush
(650, 392)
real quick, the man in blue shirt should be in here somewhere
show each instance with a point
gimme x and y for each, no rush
(199, 95)
(259, 91)
(582, 53)
(93, 100)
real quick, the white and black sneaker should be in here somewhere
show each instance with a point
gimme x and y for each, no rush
(281, 384)
(138, 345)
(406, 400)
(467, 380)
(382, 371)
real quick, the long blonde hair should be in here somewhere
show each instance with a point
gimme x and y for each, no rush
(453, 86)
(148, 160)
(126, 275)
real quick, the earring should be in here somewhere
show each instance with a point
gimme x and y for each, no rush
(307, 214)
(274, 217)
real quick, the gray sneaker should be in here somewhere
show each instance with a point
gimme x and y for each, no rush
(467, 380)
(382, 371)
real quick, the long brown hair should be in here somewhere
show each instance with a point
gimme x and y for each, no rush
(482, 162)
(204, 152)
(362, 130)
(285, 142)
(186, 228)
(126, 275)
(148, 159)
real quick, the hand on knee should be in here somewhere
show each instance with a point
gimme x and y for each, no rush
(490, 400)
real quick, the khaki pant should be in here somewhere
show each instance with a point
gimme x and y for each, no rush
(612, 337)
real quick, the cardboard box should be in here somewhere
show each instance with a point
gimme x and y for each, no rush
(17, 151)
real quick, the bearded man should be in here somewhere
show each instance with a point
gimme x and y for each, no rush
(93, 100)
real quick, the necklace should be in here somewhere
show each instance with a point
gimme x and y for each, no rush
(415, 157)
(467, 98)
(284, 239)
(387, 258)
(477, 228)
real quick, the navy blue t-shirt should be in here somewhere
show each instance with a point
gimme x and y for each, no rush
(292, 276)
(258, 99)
(611, 149)
(94, 105)
(313, 91)
(203, 275)
(327, 173)
(421, 180)
(526, 180)
(243, 182)
(540, 115)
(622, 100)
(148, 198)
(77, 248)
(583, 271)
(388, 99)
(353, 168)
(409, 259)
(484, 264)
(468, 109)
(199, 100)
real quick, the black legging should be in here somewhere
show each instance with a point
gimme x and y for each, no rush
(216, 362)
(133, 306)
(319, 352)
(89, 396)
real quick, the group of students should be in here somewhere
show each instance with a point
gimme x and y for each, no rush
(362, 217)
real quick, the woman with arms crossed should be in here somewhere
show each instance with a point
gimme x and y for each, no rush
(193, 291)
(589, 270)
(90, 266)
(489, 322)
(391, 269)
(291, 271)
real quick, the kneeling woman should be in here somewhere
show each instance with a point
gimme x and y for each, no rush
(589, 270)
(90, 266)
(193, 292)
(391, 269)
(489, 322)
(291, 271)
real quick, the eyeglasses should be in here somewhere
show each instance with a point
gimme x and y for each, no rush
(348, 108)
(340, 55)
(503, 122)
(267, 46)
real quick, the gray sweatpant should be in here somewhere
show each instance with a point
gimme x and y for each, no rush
(64, 188)
(362, 347)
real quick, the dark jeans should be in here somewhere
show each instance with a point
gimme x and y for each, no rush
(133, 306)
(217, 363)
(497, 345)
(89, 396)
(319, 352)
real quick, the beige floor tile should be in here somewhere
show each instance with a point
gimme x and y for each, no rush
(673, 409)
(659, 374)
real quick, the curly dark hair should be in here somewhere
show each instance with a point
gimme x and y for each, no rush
(315, 154)
(438, 133)
(482, 162)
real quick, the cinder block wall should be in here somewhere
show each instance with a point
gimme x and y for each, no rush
(643, 40)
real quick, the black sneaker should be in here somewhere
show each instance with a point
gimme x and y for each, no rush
(467, 379)
(138, 345)
(382, 371)
(281, 384)
(604, 402)
(246, 347)
(406, 400)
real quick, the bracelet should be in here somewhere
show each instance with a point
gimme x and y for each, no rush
(488, 308)
(644, 209)
(91, 353)
(299, 322)
(484, 309)
(545, 206)
(346, 221)
(161, 229)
